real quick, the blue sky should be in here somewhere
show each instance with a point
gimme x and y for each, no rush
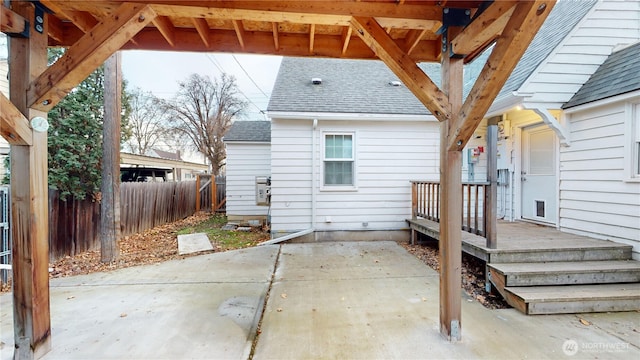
(160, 72)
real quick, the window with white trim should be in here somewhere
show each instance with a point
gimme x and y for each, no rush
(338, 160)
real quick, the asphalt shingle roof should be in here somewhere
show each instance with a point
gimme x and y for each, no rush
(363, 86)
(250, 131)
(619, 74)
(348, 86)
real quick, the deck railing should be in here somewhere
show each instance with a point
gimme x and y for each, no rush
(425, 203)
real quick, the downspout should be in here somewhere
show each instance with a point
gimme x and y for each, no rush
(554, 124)
(313, 174)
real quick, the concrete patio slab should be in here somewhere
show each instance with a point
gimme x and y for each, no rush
(352, 300)
(192, 243)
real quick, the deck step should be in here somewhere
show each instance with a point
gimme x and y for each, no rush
(569, 299)
(601, 252)
(566, 273)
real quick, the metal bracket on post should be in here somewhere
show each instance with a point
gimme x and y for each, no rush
(40, 10)
(452, 17)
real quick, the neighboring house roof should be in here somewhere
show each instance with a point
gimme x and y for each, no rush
(167, 155)
(619, 74)
(348, 86)
(249, 131)
(564, 16)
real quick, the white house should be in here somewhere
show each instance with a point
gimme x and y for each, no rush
(4, 89)
(346, 139)
(248, 145)
(556, 169)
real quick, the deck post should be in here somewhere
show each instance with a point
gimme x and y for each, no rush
(451, 211)
(29, 196)
(214, 194)
(491, 196)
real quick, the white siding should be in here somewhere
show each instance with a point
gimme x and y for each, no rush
(595, 199)
(388, 156)
(244, 163)
(607, 25)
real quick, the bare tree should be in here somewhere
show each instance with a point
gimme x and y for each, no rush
(203, 110)
(147, 122)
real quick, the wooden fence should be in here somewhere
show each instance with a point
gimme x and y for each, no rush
(211, 192)
(74, 224)
(425, 203)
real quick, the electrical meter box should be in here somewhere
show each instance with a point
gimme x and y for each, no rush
(263, 190)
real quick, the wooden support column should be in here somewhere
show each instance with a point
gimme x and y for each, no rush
(491, 196)
(214, 194)
(451, 211)
(29, 228)
(110, 186)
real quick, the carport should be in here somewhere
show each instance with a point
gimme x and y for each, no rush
(399, 32)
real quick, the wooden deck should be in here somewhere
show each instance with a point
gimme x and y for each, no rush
(525, 242)
(540, 270)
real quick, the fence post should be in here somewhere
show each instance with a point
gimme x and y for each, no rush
(491, 196)
(414, 200)
(214, 194)
(197, 193)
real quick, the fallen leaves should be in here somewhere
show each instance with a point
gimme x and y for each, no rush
(284, 296)
(585, 322)
(473, 279)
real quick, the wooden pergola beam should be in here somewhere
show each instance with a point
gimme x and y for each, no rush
(239, 29)
(14, 126)
(527, 18)
(11, 22)
(83, 20)
(403, 66)
(483, 29)
(203, 30)
(346, 38)
(87, 54)
(166, 28)
(276, 36)
(312, 34)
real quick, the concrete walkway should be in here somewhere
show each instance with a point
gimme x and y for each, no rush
(360, 300)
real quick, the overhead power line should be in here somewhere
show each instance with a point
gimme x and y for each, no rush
(219, 66)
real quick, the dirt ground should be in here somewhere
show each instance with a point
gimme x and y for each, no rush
(473, 278)
(161, 244)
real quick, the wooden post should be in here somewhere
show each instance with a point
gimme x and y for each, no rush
(29, 199)
(491, 196)
(214, 194)
(110, 187)
(197, 193)
(451, 211)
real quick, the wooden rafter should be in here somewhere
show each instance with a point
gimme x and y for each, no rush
(518, 33)
(312, 34)
(55, 28)
(14, 126)
(403, 66)
(203, 30)
(87, 54)
(323, 11)
(237, 26)
(83, 20)
(413, 38)
(346, 37)
(483, 29)
(276, 40)
(166, 28)
(262, 43)
(10, 21)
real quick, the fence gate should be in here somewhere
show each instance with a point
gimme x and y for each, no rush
(5, 240)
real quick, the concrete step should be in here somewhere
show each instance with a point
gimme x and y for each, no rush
(565, 273)
(569, 299)
(604, 250)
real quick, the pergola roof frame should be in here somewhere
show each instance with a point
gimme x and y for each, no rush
(400, 33)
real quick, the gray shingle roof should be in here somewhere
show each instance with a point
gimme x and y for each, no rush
(348, 86)
(362, 86)
(564, 16)
(250, 131)
(619, 74)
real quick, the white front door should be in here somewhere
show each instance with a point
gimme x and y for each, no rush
(539, 174)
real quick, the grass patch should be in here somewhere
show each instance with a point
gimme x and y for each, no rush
(225, 239)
